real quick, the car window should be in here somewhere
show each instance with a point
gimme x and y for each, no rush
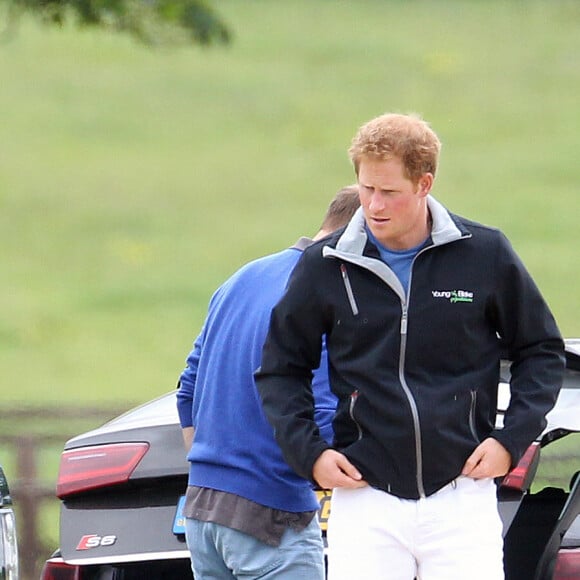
(559, 461)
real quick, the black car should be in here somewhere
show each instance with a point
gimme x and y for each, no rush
(8, 540)
(121, 488)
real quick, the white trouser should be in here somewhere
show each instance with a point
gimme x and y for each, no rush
(453, 534)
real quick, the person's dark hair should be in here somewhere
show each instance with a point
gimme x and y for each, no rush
(341, 208)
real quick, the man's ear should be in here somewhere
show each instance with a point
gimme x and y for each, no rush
(425, 184)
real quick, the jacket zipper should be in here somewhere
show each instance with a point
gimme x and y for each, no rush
(349, 291)
(408, 393)
(412, 403)
(353, 398)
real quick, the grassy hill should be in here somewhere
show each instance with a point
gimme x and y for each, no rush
(134, 180)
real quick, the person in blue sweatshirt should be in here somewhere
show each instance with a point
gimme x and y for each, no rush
(248, 515)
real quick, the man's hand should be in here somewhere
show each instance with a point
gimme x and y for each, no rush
(333, 469)
(489, 459)
(187, 433)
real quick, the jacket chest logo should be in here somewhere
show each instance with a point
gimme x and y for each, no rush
(453, 296)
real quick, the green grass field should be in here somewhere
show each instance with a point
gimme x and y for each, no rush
(134, 180)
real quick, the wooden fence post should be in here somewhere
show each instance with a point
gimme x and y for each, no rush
(28, 504)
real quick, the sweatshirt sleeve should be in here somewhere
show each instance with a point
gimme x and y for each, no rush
(324, 399)
(529, 332)
(186, 383)
(291, 352)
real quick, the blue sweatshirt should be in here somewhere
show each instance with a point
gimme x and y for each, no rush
(234, 448)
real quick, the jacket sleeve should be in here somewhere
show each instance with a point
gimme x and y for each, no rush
(529, 332)
(284, 380)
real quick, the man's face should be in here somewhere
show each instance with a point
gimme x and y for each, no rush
(395, 208)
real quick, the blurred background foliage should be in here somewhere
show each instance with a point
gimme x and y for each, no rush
(150, 21)
(134, 180)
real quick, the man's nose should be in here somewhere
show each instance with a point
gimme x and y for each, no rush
(376, 201)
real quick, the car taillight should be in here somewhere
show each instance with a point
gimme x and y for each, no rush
(567, 565)
(521, 476)
(97, 466)
(56, 570)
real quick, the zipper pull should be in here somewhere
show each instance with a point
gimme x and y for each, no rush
(404, 321)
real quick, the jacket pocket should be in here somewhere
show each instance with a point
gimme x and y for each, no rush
(472, 409)
(353, 399)
(348, 288)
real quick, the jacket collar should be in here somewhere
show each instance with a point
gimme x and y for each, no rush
(443, 230)
(302, 243)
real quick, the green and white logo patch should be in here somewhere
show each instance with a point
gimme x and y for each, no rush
(453, 295)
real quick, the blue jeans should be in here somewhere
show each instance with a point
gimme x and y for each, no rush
(220, 553)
